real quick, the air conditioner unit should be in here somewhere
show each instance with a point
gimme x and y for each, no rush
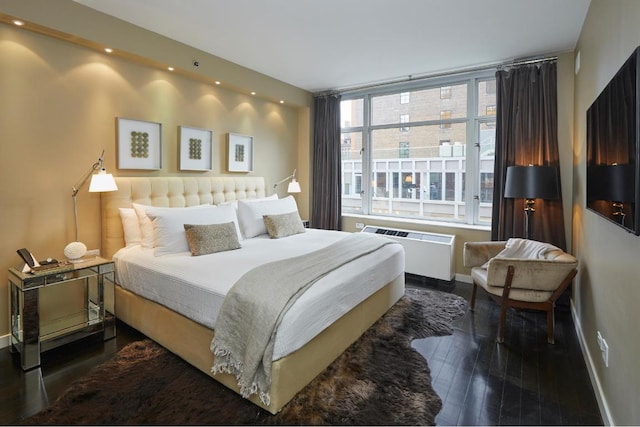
(426, 254)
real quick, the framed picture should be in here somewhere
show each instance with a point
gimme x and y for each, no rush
(196, 149)
(139, 144)
(240, 153)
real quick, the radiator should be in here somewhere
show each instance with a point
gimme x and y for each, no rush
(426, 254)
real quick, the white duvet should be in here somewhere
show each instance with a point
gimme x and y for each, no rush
(196, 286)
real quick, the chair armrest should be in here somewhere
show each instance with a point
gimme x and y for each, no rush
(533, 274)
(476, 254)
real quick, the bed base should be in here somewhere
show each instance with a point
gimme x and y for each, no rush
(290, 374)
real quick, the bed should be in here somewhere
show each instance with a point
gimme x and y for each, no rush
(298, 358)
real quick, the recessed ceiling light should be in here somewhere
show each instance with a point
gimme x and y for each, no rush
(217, 82)
(18, 22)
(170, 68)
(281, 101)
(253, 93)
(108, 49)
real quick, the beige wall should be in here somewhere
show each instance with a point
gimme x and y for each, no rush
(607, 290)
(58, 112)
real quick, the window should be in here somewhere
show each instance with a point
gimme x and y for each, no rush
(441, 170)
(445, 115)
(404, 118)
(403, 151)
(490, 87)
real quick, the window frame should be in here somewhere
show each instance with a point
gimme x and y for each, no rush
(470, 188)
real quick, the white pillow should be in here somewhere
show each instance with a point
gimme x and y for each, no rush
(250, 214)
(146, 229)
(235, 202)
(168, 226)
(131, 227)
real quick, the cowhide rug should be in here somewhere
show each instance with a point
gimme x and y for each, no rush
(379, 380)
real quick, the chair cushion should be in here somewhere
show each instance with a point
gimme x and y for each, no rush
(479, 276)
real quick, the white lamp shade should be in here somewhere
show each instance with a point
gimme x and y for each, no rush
(294, 186)
(102, 182)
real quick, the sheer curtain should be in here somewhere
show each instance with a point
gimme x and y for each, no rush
(526, 133)
(326, 184)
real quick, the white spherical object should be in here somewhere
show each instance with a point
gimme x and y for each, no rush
(75, 250)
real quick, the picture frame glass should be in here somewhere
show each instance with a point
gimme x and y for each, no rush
(240, 149)
(139, 144)
(196, 149)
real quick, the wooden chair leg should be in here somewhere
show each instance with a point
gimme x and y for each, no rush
(551, 325)
(504, 303)
(474, 292)
(503, 321)
(552, 302)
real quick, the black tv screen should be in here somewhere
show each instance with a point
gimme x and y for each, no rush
(612, 149)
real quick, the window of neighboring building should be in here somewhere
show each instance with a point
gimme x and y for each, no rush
(404, 118)
(403, 151)
(445, 92)
(405, 97)
(445, 115)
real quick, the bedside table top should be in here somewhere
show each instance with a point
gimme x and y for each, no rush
(64, 266)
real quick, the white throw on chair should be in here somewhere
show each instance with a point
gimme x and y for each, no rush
(520, 273)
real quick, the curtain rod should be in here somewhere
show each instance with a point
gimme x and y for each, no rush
(410, 78)
(527, 61)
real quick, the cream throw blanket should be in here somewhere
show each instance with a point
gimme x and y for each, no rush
(252, 310)
(524, 249)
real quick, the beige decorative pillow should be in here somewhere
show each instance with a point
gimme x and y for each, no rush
(283, 225)
(211, 238)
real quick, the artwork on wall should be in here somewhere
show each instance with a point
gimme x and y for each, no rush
(139, 144)
(240, 153)
(196, 149)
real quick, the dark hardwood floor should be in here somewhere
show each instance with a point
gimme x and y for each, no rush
(522, 382)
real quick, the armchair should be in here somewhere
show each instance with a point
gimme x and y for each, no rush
(519, 282)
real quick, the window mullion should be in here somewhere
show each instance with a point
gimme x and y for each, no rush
(472, 167)
(366, 156)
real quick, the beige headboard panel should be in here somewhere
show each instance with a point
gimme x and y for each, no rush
(169, 192)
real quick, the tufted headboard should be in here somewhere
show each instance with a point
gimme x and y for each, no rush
(169, 192)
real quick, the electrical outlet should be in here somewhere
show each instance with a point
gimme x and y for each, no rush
(93, 252)
(604, 349)
(359, 225)
(599, 340)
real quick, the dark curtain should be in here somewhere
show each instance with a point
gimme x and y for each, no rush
(526, 133)
(326, 200)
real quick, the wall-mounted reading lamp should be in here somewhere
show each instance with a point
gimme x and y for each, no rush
(529, 183)
(294, 186)
(100, 182)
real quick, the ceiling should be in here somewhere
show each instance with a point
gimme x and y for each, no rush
(320, 45)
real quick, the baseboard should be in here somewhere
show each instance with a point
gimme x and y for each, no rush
(605, 411)
(4, 341)
(463, 278)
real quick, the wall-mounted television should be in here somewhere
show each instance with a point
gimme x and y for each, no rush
(613, 149)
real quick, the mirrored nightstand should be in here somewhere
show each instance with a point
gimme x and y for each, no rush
(33, 333)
